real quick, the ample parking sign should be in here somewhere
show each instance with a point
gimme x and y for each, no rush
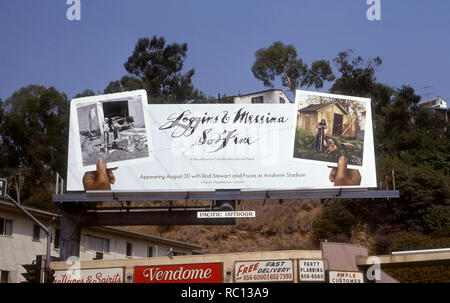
(346, 277)
(3, 186)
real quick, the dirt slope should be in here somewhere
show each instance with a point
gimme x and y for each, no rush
(276, 227)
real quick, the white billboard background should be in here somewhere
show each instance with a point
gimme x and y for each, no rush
(219, 152)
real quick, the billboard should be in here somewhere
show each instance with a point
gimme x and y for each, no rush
(321, 141)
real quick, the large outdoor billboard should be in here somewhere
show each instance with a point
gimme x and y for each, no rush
(321, 141)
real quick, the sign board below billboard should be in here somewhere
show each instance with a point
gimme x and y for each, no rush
(264, 271)
(345, 277)
(180, 273)
(100, 275)
(311, 270)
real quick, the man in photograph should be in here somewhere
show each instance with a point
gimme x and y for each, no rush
(92, 117)
(106, 134)
(320, 136)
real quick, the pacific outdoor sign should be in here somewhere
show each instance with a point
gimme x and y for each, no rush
(162, 147)
(182, 273)
(100, 275)
(264, 271)
(311, 270)
(226, 214)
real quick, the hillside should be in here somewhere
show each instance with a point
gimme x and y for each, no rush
(276, 227)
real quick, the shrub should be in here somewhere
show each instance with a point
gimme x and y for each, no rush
(336, 220)
(426, 274)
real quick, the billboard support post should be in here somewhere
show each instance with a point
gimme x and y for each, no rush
(70, 231)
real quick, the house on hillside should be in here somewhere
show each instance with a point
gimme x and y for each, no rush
(437, 102)
(439, 108)
(271, 96)
(339, 121)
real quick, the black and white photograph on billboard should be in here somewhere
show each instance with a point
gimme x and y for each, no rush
(329, 127)
(113, 127)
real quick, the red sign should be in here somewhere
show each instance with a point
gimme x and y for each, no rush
(181, 273)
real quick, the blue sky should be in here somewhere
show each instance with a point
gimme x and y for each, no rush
(38, 45)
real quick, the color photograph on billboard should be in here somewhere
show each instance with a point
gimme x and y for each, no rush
(329, 127)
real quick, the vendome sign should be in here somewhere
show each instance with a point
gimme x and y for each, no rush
(183, 273)
(223, 146)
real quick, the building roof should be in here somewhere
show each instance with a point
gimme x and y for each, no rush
(260, 92)
(119, 230)
(428, 103)
(318, 107)
(230, 99)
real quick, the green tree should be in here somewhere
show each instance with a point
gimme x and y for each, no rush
(34, 132)
(409, 139)
(357, 76)
(279, 60)
(158, 68)
(126, 83)
(85, 93)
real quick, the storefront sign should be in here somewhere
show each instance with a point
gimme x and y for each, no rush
(345, 277)
(183, 273)
(100, 275)
(165, 147)
(311, 271)
(264, 271)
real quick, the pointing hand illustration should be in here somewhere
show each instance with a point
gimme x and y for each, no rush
(100, 179)
(343, 176)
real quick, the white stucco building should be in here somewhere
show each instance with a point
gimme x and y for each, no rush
(21, 241)
(437, 102)
(274, 96)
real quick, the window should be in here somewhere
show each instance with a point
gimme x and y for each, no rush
(129, 249)
(36, 233)
(98, 256)
(5, 227)
(151, 251)
(282, 100)
(177, 253)
(56, 240)
(259, 99)
(4, 276)
(96, 243)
